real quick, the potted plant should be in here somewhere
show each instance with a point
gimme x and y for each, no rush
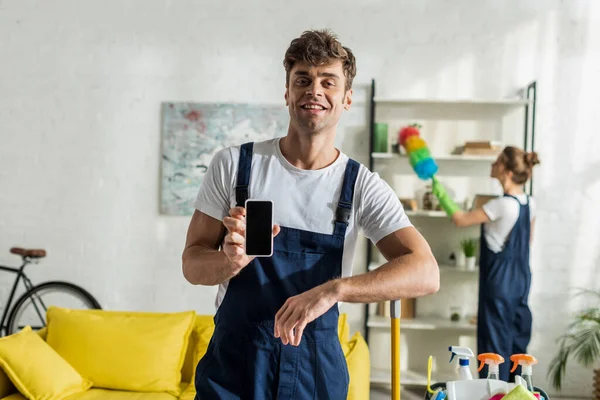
(469, 247)
(581, 341)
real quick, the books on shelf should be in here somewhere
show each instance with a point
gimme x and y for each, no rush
(480, 148)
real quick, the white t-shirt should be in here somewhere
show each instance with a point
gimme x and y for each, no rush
(303, 199)
(503, 213)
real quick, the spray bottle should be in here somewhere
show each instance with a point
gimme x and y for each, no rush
(526, 361)
(493, 360)
(463, 353)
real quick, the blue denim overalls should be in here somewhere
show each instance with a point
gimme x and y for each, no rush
(244, 360)
(504, 319)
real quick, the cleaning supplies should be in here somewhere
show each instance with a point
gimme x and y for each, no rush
(463, 353)
(526, 361)
(493, 360)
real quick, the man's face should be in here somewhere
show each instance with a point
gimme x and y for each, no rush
(317, 96)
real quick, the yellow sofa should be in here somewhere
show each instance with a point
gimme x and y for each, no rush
(71, 358)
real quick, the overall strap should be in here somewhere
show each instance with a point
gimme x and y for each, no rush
(513, 237)
(243, 176)
(344, 208)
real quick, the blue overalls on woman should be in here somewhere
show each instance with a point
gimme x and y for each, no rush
(504, 320)
(243, 340)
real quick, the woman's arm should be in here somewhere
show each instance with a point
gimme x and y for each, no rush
(459, 217)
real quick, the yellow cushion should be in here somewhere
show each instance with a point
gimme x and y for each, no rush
(204, 328)
(359, 367)
(6, 386)
(137, 351)
(42, 333)
(203, 331)
(37, 371)
(343, 328)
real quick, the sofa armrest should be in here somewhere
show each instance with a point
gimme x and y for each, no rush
(358, 359)
(6, 386)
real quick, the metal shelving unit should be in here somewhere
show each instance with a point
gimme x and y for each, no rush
(462, 107)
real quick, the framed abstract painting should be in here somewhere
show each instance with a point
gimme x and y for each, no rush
(193, 132)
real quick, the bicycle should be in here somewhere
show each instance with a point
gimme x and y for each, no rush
(16, 318)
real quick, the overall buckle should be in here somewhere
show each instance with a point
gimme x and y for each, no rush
(342, 215)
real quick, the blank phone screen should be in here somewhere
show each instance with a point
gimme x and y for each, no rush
(259, 228)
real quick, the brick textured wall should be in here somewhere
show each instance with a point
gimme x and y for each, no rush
(81, 84)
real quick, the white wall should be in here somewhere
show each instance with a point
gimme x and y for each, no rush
(81, 85)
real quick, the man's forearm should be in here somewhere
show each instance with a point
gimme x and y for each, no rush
(409, 276)
(206, 266)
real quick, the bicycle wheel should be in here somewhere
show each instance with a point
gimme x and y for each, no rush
(31, 307)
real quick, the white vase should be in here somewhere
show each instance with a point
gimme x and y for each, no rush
(470, 263)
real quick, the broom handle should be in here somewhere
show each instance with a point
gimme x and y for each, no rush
(395, 317)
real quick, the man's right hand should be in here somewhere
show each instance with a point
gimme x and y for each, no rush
(235, 240)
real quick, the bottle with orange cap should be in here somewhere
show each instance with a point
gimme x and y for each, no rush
(493, 361)
(526, 362)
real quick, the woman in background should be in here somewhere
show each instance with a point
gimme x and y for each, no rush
(504, 319)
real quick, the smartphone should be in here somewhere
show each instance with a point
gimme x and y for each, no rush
(259, 228)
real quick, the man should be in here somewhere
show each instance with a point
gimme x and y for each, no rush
(276, 322)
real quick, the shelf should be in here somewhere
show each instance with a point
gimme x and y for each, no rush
(422, 324)
(443, 268)
(453, 102)
(447, 157)
(488, 117)
(408, 377)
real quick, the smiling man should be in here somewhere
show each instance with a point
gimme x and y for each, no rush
(276, 322)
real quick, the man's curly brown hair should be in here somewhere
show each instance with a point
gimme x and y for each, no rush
(319, 47)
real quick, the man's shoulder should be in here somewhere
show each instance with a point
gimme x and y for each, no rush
(226, 155)
(367, 178)
(265, 147)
